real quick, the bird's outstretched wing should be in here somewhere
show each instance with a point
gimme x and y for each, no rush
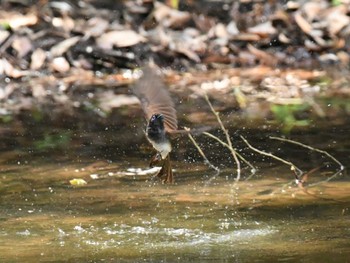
(155, 98)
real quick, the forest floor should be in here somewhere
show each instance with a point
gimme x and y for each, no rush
(288, 61)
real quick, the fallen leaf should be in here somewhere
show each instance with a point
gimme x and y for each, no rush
(170, 17)
(22, 45)
(77, 182)
(302, 23)
(221, 31)
(263, 29)
(37, 59)
(240, 97)
(284, 39)
(312, 9)
(292, 5)
(185, 50)
(96, 26)
(9, 70)
(247, 37)
(62, 47)
(66, 23)
(337, 20)
(16, 20)
(264, 57)
(60, 64)
(328, 58)
(124, 38)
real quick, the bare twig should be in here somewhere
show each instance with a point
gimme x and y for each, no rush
(341, 166)
(233, 152)
(206, 160)
(253, 169)
(298, 172)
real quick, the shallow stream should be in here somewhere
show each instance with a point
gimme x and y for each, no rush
(122, 215)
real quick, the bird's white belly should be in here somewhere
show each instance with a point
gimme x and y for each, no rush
(164, 148)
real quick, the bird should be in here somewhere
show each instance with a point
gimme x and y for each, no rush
(160, 113)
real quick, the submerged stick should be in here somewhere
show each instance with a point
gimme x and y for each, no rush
(298, 172)
(253, 169)
(206, 160)
(233, 152)
(341, 166)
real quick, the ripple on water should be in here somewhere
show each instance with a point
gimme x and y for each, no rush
(150, 236)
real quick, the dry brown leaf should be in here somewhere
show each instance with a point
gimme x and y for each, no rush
(187, 52)
(313, 9)
(37, 59)
(221, 31)
(10, 71)
(16, 20)
(170, 17)
(80, 76)
(247, 37)
(60, 64)
(161, 11)
(66, 23)
(96, 26)
(188, 44)
(337, 19)
(62, 47)
(22, 45)
(304, 25)
(311, 45)
(292, 5)
(264, 57)
(284, 39)
(177, 19)
(125, 38)
(263, 29)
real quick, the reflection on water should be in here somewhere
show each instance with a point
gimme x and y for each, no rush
(122, 215)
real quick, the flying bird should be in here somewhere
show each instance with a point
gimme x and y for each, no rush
(160, 112)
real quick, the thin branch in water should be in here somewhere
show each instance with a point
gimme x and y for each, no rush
(253, 169)
(206, 160)
(341, 166)
(297, 172)
(234, 154)
(306, 190)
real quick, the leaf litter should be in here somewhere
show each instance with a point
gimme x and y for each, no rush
(267, 51)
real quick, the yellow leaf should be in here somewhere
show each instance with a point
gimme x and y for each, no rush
(77, 182)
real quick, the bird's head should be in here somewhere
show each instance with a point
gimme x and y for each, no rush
(155, 128)
(156, 122)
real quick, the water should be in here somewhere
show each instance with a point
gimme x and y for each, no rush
(122, 216)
